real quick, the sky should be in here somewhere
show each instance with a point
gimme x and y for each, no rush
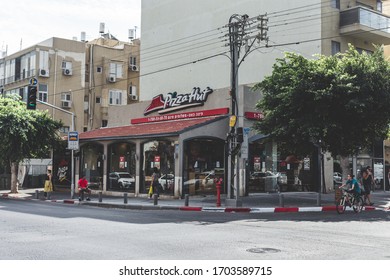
(24, 23)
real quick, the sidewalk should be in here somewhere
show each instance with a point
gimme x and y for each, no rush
(255, 203)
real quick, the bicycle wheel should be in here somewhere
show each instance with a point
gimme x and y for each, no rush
(340, 205)
(358, 204)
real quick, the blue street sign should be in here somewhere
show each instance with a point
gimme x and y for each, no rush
(33, 81)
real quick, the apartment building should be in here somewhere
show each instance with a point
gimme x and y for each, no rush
(79, 80)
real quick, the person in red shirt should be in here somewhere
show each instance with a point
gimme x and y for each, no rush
(83, 188)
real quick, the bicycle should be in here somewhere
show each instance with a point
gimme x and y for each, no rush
(351, 200)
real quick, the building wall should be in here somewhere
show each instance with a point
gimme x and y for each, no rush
(194, 30)
(101, 53)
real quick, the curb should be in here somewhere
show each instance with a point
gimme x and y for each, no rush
(194, 208)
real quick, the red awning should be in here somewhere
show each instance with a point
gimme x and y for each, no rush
(166, 128)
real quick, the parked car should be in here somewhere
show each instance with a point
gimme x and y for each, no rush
(337, 177)
(204, 182)
(167, 181)
(266, 181)
(121, 180)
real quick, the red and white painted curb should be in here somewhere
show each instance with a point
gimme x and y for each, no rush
(269, 209)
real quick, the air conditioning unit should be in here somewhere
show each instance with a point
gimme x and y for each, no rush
(66, 104)
(133, 97)
(134, 68)
(43, 73)
(112, 79)
(67, 72)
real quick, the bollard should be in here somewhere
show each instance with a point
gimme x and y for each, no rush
(125, 198)
(218, 183)
(281, 200)
(100, 196)
(319, 199)
(155, 199)
(36, 194)
(186, 200)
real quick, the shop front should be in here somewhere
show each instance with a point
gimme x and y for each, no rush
(188, 153)
(272, 171)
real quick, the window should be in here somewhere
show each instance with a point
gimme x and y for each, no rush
(133, 60)
(104, 123)
(99, 69)
(360, 50)
(116, 70)
(116, 97)
(66, 96)
(335, 47)
(379, 6)
(44, 60)
(98, 100)
(335, 4)
(23, 93)
(132, 90)
(42, 92)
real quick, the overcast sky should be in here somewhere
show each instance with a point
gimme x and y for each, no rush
(28, 22)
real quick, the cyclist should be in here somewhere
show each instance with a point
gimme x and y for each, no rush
(354, 186)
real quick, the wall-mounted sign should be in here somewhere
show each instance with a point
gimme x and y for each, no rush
(121, 162)
(254, 115)
(179, 116)
(257, 163)
(174, 101)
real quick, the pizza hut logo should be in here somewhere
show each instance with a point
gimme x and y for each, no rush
(174, 101)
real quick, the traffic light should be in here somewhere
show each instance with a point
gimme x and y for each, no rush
(32, 98)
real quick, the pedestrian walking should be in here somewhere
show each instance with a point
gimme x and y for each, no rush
(48, 187)
(154, 184)
(368, 183)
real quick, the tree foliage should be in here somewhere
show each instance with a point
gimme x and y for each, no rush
(341, 102)
(25, 133)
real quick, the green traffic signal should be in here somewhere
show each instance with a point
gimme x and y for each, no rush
(32, 98)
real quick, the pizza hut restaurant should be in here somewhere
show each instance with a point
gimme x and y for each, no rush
(183, 136)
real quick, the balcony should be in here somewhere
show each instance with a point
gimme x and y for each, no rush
(365, 24)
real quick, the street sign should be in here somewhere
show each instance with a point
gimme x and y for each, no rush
(33, 81)
(73, 140)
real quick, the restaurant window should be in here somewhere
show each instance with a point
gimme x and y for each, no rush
(160, 155)
(203, 162)
(91, 164)
(121, 166)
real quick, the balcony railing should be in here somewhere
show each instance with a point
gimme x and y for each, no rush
(366, 23)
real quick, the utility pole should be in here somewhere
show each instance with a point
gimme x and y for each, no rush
(242, 30)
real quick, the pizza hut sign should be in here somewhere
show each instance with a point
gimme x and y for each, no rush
(174, 101)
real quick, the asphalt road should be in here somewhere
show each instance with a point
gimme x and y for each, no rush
(33, 230)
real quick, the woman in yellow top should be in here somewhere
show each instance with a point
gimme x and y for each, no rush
(48, 188)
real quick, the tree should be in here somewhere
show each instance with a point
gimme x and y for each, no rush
(24, 134)
(339, 102)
